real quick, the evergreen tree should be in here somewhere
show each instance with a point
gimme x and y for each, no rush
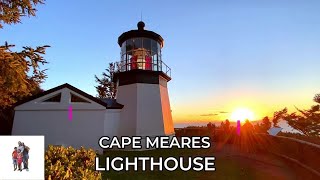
(278, 115)
(20, 71)
(106, 87)
(306, 121)
(265, 124)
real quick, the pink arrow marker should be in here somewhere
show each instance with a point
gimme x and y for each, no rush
(70, 113)
(238, 127)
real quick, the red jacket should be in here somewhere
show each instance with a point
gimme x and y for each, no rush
(14, 154)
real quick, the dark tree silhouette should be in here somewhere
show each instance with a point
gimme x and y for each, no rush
(278, 115)
(211, 128)
(227, 125)
(106, 87)
(266, 124)
(305, 121)
(247, 127)
(222, 125)
(317, 98)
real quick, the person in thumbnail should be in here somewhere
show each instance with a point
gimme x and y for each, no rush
(19, 159)
(25, 156)
(14, 158)
(20, 146)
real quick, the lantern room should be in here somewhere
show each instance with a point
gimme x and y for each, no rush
(141, 49)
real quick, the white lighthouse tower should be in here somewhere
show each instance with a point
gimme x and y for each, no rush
(142, 85)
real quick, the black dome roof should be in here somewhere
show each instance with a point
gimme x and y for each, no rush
(140, 32)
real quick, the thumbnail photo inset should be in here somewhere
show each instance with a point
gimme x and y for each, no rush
(22, 157)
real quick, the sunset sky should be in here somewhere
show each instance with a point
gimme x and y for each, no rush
(224, 55)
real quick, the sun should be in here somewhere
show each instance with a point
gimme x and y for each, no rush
(242, 114)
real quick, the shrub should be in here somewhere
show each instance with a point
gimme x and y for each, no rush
(70, 163)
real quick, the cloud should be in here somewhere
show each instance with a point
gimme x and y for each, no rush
(208, 114)
(223, 112)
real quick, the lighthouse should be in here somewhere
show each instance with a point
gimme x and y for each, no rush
(141, 82)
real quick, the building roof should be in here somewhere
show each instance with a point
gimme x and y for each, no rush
(140, 32)
(112, 103)
(109, 104)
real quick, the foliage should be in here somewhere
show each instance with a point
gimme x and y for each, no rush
(211, 126)
(247, 127)
(70, 163)
(227, 125)
(106, 87)
(305, 121)
(20, 73)
(221, 125)
(11, 11)
(317, 98)
(278, 115)
(264, 126)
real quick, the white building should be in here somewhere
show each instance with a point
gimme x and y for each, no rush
(142, 106)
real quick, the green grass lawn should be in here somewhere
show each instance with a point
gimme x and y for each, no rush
(226, 167)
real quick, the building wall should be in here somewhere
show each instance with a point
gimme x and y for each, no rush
(51, 120)
(149, 111)
(166, 111)
(111, 122)
(127, 95)
(146, 110)
(85, 129)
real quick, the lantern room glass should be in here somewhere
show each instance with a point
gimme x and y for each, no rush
(141, 53)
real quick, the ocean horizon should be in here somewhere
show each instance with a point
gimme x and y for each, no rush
(282, 124)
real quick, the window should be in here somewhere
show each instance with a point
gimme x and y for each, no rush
(123, 48)
(55, 98)
(154, 46)
(75, 98)
(159, 48)
(147, 44)
(129, 45)
(137, 43)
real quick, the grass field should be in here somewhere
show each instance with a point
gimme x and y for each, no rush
(226, 169)
(228, 166)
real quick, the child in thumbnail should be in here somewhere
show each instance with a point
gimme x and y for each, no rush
(14, 158)
(20, 158)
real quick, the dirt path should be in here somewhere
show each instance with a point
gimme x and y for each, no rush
(266, 166)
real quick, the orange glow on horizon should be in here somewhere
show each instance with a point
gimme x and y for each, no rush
(242, 114)
(212, 112)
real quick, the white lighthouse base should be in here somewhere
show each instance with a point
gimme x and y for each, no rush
(146, 110)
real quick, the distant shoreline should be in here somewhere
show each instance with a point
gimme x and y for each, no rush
(282, 124)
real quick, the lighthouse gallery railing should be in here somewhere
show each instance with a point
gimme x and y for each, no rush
(123, 66)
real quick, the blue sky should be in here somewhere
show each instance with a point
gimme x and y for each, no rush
(262, 55)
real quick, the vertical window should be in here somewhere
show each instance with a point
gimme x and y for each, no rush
(55, 98)
(147, 44)
(154, 47)
(75, 98)
(137, 43)
(159, 48)
(123, 48)
(155, 62)
(129, 45)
